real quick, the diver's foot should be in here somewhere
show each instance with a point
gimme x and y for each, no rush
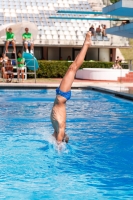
(66, 138)
(88, 38)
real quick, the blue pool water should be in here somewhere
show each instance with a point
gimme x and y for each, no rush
(97, 163)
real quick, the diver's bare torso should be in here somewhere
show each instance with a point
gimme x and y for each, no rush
(58, 117)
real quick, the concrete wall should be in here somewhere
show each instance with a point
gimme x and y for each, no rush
(101, 74)
(65, 52)
(38, 53)
(45, 53)
(104, 55)
(118, 53)
(53, 53)
(92, 54)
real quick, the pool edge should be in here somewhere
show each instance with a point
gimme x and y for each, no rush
(94, 88)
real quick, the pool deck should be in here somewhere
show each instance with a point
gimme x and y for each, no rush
(121, 89)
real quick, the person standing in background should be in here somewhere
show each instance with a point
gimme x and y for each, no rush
(21, 66)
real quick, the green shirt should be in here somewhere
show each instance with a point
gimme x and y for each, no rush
(21, 60)
(9, 36)
(27, 35)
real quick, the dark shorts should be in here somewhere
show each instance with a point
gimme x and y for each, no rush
(66, 95)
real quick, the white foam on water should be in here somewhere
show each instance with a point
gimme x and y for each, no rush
(59, 147)
(53, 144)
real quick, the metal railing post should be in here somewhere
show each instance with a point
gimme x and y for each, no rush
(130, 67)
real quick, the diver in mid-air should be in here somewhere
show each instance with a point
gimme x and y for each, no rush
(63, 93)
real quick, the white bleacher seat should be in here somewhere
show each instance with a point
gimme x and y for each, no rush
(66, 5)
(76, 28)
(55, 37)
(57, 28)
(40, 8)
(7, 14)
(57, 24)
(44, 37)
(35, 11)
(93, 38)
(51, 8)
(61, 5)
(74, 37)
(52, 28)
(49, 4)
(81, 25)
(70, 28)
(84, 29)
(47, 32)
(63, 24)
(54, 32)
(72, 33)
(45, 8)
(41, 32)
(38, 37)
(66, 32)
(68, 37)
(68, 24)
(49, 37)
(99, 38)
(40, 27)
(87, 25)
(24, 11)
(6, 10)
(64, 28)
(80, 37)
(60, 32)
(62, 37)
(46, 28)
(55, 5)
(79, 32)
(105, 38)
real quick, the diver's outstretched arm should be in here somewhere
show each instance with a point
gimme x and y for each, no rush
(68, 79)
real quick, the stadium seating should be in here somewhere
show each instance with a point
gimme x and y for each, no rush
(60, 31)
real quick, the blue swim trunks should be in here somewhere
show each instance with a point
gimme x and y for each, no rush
(66, 95)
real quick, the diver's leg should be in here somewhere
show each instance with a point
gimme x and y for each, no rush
(68, 79)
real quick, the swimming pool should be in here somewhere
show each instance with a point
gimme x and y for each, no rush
(96, 164)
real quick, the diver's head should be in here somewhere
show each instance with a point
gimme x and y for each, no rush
(66, 138)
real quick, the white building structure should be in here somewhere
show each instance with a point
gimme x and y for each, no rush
(60, 38)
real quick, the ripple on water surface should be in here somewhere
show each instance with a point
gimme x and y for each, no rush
(97, 163)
